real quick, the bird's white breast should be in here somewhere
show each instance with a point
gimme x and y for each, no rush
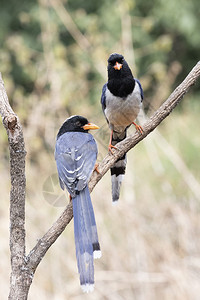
(122, 112)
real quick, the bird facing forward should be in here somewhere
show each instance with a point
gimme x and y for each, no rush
(76, 154)
(121, 101)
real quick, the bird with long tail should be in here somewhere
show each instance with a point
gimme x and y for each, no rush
(75, 155)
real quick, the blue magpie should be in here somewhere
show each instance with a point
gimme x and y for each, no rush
(121, 101)
(75, 155)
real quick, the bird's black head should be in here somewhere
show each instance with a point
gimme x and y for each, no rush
(118, 67)
(120, 79)
(115, 57)
(76, 124)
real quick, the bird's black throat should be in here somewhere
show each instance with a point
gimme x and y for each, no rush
(121, 87)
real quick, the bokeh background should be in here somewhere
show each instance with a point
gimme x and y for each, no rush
(53, 60)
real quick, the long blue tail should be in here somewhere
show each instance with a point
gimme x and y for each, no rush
(86, 238)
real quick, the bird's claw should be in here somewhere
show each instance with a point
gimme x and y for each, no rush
(96, 168)
(110, 148)
(138, 127)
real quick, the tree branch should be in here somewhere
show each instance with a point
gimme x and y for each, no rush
(165, 109)
(17, 197)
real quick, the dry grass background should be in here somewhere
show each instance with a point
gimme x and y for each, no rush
(150, 241)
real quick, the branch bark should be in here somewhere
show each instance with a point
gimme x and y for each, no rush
(19, 280)
(23, 267)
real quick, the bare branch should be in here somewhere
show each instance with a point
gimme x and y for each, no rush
(165, 109)
(17, 196)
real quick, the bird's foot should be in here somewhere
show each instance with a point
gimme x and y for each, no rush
(110, 148)
(96, 168)
(70, 198)
(138, 127)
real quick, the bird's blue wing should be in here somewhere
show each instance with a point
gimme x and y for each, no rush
(66, 171)
(103, 97)
(141, 90)
(85, 160)
(75, 156)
